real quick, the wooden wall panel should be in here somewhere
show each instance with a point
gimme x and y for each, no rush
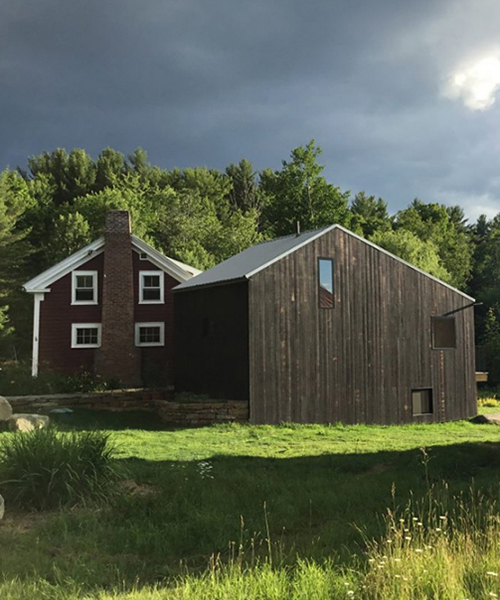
(217, 363)
(359, 361)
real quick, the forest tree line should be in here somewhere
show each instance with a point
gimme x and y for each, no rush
(202, 216)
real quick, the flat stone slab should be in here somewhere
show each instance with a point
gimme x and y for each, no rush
(492, 419)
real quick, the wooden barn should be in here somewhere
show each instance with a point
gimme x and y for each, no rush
(325, 326)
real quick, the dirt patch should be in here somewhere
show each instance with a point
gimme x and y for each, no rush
(137, 489)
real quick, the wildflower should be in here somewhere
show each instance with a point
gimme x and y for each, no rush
(408, 537)
(350, 593)
(493, 595)
(397, 560)
(438, 529)
(443, 517)
(415, 519)
(420, 524)
(397, 576)
(419, 550)
(492, 573)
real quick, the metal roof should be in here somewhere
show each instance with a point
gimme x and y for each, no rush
(249, 262)
(253, 259)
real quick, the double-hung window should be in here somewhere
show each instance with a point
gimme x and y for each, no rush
(84, 287)
(149, 334)
(151, 287)
(85, 335)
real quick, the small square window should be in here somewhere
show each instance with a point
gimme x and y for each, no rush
(143, 256)
(86, 335)
(151, 287)
(422, 402)
(149, 334)
(443, 333)
(325, 282)
(84, 287)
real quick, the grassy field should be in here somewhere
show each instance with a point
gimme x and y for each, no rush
(309, 497)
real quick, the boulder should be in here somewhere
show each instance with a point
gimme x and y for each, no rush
(5, 409)
(493, 419)
(25, 422)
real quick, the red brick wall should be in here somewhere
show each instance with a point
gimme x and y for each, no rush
(118, 358)
(57, 315)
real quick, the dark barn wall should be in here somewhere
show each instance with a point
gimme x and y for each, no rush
(211, 341)
(359, 361)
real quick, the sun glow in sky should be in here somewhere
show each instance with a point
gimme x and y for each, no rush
(476, 83)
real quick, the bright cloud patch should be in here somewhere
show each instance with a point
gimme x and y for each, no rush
(476, 83)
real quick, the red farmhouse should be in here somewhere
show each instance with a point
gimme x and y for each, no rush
(108, 309)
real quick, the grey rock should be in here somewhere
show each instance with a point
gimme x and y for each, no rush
(25, 422)
(5, 409)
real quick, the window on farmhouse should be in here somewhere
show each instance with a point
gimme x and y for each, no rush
(325, 282)
(84, 287)
(149, 334)
(422, 402)
(151, 287)
(443, 332)
(86, 335)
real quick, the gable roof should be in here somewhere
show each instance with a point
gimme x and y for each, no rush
(257, 258)
(179, 271)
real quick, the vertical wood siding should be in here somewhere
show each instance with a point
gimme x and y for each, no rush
(359, 361)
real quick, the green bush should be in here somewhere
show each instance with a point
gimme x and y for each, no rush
(16, 380)
(45, 469)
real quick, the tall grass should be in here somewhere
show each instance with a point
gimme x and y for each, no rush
(441, 548)
(44, 469)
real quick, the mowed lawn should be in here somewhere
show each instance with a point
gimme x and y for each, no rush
(314, 491)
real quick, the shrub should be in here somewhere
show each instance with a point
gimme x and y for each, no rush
(46, 469)
(16, 380)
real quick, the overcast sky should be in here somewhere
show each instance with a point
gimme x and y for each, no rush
(403, 97)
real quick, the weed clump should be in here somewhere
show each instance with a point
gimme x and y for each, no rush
(45, 469)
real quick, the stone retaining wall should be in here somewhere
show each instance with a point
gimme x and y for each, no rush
(203, 413)
(171, 412)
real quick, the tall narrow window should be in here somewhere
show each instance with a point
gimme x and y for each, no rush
(325, 282)
(151, 287)
(443, 333)
(422, 402)
(84, 287)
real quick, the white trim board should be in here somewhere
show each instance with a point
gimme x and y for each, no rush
(179, 271)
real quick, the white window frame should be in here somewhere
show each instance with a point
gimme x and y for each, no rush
(138, 327)
(76, 326)
(143, 274)
(74, 275)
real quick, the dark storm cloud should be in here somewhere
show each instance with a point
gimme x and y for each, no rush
(208, 83)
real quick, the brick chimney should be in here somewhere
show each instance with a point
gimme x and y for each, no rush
(118, 357)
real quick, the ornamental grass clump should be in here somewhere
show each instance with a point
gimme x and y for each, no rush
(45, 469)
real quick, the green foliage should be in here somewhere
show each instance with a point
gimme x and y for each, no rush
(43, 469)
(413, 249)
(443, 227)
(369, 215)
(299, 193)
(16, 380)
